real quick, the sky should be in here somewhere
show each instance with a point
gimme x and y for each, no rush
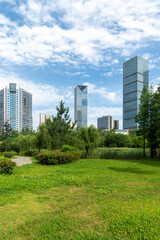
(48, 47)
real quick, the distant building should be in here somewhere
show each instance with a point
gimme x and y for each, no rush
(135, 78)
(80, 105)
(15, 107)
(43, 117)
(122, 131)
(116, 124)
(105, 122)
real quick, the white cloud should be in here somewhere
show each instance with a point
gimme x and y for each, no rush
(78, 31)
(108, 74)
(103, 92)
(8, 1)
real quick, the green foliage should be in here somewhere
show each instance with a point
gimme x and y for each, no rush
(8, 154)
(67, 148)
(43, 139)
(90, 136)
(113, 139)
(25, 142)
(138, 142)
(6, 165)
(148, 119)
(117, 154)
(143, 116)
(56, 157)
(30, 153)
(59, 127)
(73, 139)
(6, 129)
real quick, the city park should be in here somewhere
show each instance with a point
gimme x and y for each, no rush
(83, 183)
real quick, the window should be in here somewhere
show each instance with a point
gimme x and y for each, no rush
(25, 101)
(1, 100)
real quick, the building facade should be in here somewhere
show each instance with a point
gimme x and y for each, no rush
(81, 105)
(105, 122)
(15, 107)
(135, 78)
(116, 124)
(43, 117)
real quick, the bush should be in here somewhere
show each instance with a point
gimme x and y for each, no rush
(8, 154)
(56, 157)
(28, 153)
(67, 148)
(6, 165)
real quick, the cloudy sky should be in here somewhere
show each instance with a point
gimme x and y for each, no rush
(49, 46)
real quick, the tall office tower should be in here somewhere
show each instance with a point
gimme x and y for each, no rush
(105, 122)
(80, 105)
(116, 124)
(43, 117)
(135, 78)
(15, 107)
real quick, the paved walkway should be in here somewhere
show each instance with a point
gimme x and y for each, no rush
(22, 160)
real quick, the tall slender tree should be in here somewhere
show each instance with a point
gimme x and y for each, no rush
(148, 118)
(59, 126)
(143, 117)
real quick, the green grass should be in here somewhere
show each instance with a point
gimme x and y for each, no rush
(88, 199)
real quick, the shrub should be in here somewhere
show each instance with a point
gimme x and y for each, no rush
(8, 154)
(67, 148)
(6, 165)
(28, 153)
(56, 157)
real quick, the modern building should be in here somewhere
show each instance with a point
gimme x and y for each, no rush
(135, 78)
(15, 107)
(105, 122)
(122, 131)
(116, 124)
(43, 117)
(81, 105)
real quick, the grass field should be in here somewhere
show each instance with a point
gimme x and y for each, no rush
(88, 199)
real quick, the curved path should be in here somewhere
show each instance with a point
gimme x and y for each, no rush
(22, 160)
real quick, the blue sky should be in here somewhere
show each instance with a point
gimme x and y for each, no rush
(48, 47)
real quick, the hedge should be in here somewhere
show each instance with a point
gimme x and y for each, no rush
(57, 157)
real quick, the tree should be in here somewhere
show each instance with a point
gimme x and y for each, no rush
(154, 121)
(149, 119)
(59, 127)
(113, 139)
(143, 116)
(90, 136)
(25, 142)
(42, 137)
(6, 128)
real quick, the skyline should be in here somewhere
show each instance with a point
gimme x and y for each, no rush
(48, 48)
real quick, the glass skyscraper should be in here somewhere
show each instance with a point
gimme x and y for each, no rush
(80, 105)
(135, 78)
(15, 107)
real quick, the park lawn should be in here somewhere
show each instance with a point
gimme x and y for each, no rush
(88, 199)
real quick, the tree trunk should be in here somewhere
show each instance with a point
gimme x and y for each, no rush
(151, 152)
(87, 151)
(144, 148)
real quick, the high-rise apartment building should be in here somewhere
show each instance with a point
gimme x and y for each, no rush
(15, 107)
(43, 117)
(80, 105)
(105, 122)
(135, 78)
